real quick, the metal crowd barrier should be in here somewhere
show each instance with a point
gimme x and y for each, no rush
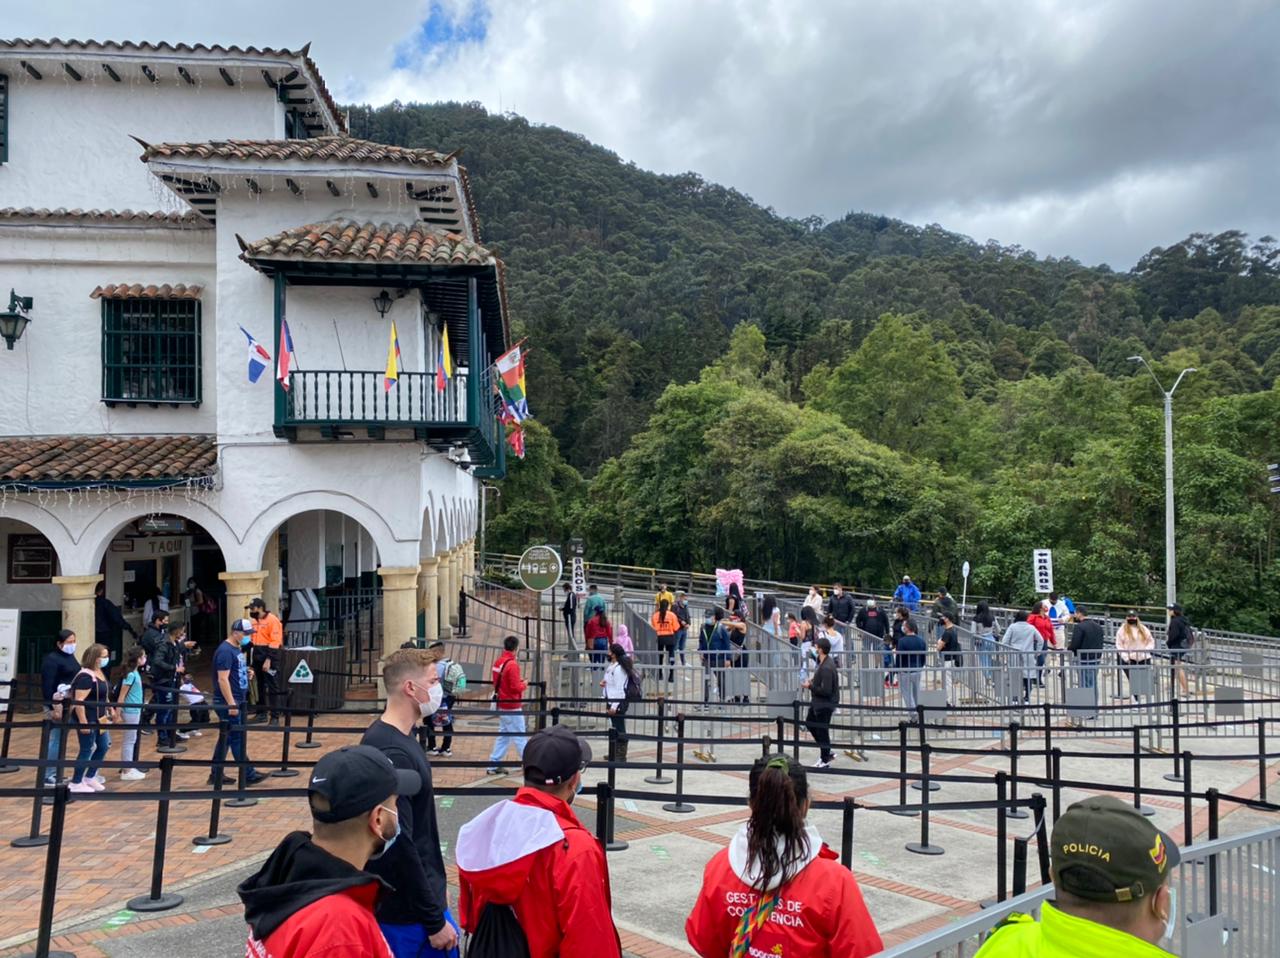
(1228, 902)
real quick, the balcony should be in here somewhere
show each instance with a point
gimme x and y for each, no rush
(345, 404)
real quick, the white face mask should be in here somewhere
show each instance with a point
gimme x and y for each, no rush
(1172, 924)
(104, 661)
(435, 697)
(69, 648)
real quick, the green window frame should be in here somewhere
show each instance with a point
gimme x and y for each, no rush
(4, 118)
(151, 351)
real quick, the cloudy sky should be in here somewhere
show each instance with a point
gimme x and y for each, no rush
(1087, 128)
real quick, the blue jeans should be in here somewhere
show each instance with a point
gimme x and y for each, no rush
(230, 734)
(510, 732)
(94, 743)
(51, 753)
(410, 941)
(986, 646)
(167, 696)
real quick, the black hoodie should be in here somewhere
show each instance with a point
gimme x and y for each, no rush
(299, 874)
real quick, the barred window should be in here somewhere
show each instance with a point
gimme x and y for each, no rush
(150, 351)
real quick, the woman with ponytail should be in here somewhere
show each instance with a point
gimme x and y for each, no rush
(777, 889)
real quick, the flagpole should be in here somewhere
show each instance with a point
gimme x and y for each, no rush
(338, 337)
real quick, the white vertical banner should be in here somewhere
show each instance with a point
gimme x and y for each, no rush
(8, 652)
(1042, 569)
(579, 580)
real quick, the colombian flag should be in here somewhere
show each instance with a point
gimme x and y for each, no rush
(393, 361)
(444, 361)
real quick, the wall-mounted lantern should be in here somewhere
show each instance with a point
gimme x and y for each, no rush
(14, 320)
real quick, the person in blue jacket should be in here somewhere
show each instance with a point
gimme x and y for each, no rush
(907, 594)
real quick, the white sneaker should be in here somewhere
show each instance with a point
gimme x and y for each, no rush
(95, 785)
(81, 788)
(132, 775)
(98, 778)
(196, 732)
(821, 764)
(183, 735)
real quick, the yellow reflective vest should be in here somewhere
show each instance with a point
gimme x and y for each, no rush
(1059, 935)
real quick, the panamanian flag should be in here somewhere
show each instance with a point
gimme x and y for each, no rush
(259, 358)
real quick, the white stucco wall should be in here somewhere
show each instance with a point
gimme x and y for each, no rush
(51, 382)
(69, 142)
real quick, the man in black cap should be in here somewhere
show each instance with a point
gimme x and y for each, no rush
(1110, 867)
(312, 898)
(532, 855)
(1086, 645)
(1179, 639)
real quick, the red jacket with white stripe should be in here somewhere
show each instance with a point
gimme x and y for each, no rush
(533, 854)
(821, 913)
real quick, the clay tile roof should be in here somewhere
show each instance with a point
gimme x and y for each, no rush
(69, 460)
(334, 148)
(146, 217)
(138, 291)
(143, 48)
(346, 241)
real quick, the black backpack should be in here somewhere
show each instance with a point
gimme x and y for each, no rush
(634, 690)
(498, 935)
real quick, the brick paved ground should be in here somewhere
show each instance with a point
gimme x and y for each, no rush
(108, 845)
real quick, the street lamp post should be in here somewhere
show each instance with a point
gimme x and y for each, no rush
(1170, 560)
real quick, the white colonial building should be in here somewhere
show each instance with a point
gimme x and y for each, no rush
(157, 199)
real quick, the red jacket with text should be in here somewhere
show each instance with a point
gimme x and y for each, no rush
(821, 913)
(533, 854)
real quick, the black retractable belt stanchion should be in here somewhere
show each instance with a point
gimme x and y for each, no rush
(215, 812)
(5, 767)
(795, 727)
(846, 832)
(33, 838)
(1262, 759)
(1048, 743)
(1137, 774)
(1211, 796)
(679, 806)
(902, 774)
(1055, 782)
(657, 778)
(1176, 774)
(242, 800)
(157, 900)
(1188, 837)
(542, 705)
(603, 800)
(782, 735)
(923, 847)
(284, 771)
(1014, 811)
(60, 769)
(311, 722)
(555, 715)
(1002, 837)
(765, 745)
(1019, 866)
(1042, 835)
(49, 891)
(929, 783)
(611, 844)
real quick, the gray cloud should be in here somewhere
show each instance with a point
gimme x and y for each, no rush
(1088, 128)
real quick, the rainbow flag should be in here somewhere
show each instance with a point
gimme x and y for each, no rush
(444, 361)
(511, 383)
(392, 374)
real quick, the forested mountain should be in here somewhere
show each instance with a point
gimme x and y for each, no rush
(865, 397)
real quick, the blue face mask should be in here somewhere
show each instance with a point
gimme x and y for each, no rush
(245, 640)
(387, 842)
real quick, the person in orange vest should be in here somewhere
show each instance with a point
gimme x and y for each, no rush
(268, 639)
(666, 624)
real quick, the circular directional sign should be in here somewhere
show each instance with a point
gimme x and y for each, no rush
(540, 568)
